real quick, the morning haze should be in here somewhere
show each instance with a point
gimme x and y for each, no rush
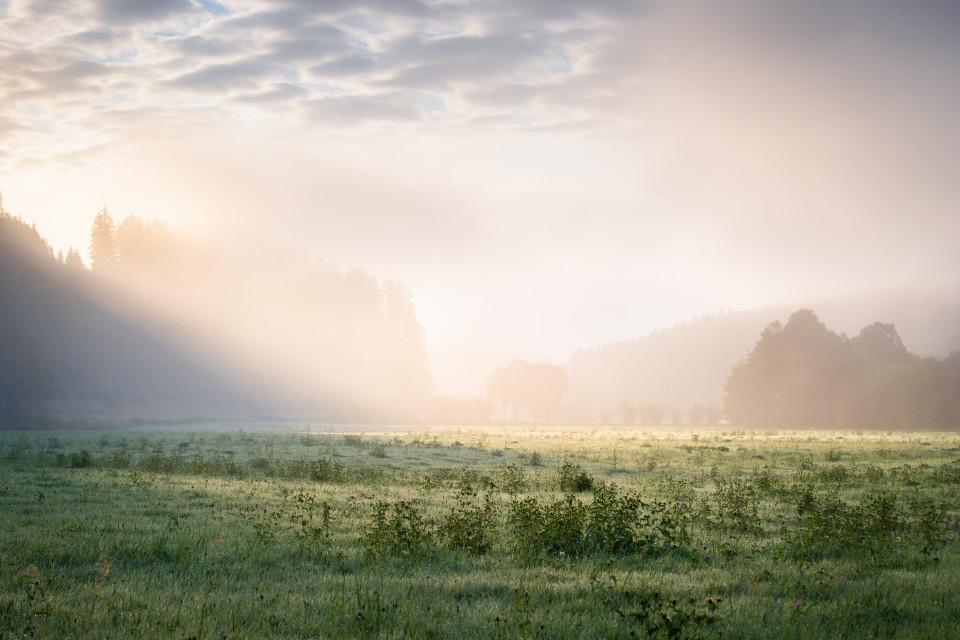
(479, 319)
(536, 179)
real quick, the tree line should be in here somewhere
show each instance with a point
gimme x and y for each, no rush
(802, 374)
(156, 308)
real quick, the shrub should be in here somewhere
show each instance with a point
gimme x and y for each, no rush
(550, 528)
(573, 479)
(613, 523)
(353, 441)
(81, 460)
(395, 528)
(512, 479)
(469, 524)
(829, 526)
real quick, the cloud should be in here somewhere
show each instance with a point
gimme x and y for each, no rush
(436, 62)
(352, 110)
(353, 64)
(203, 47)
(280, 93)
(9, 126)
(225, 77)
(137, 11)
(310, 44)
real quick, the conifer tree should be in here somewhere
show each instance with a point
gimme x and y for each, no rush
(104, 257)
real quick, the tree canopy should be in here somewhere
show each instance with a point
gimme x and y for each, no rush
(802, 374)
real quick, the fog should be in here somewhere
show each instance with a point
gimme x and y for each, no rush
(543, 177)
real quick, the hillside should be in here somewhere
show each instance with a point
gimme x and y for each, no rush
(689, 362)
(65, 357)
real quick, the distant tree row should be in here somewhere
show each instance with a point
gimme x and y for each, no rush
(802, 374)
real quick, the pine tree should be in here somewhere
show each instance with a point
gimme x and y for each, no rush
(104, 257)
(74, 260)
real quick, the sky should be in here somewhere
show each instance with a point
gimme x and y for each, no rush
(545, 175)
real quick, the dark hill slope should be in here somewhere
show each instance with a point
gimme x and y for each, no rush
(65, 357)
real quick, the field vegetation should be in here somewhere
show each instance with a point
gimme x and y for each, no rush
(287, 531)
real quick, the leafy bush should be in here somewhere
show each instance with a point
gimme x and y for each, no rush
(353, 441)
(829, 526)
(82, 460)
(573, 479)
(552, 528)
(468, 526)
(395, 528)
(512, 479)
(613, 521)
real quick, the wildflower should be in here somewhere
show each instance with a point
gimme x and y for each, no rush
(798, 606)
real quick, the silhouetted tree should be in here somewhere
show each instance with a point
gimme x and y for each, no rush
(880, 344)
(803, 375)
(794, 377)
(104, 257)
(73, 259)
(628, 412)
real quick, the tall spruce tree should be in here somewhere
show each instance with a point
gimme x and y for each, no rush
(104, 257)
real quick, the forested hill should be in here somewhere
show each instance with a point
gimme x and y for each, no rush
(65, 358)
(675, 367)
(163, 325)
(689, 362)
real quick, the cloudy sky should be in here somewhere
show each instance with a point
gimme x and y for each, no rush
(545, 174)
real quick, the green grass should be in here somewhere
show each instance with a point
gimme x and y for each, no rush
(307, 530)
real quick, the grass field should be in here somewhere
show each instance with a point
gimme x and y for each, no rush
(310, 531)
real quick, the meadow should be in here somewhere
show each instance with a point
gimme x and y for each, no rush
(317, 531)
